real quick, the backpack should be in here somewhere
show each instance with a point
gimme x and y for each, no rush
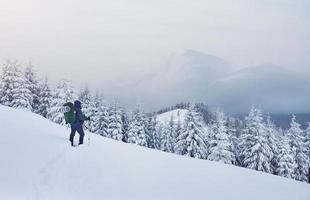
(70, 113)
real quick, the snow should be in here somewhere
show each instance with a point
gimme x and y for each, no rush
(38, 163)
(166, 117)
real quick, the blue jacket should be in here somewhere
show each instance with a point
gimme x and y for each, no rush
(79, 116)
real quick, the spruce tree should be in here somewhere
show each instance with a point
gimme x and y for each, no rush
(125, 123)
(307, 144)
(136, 131)
(256, 152)
(115, 130)
(153, 139)
(100, 118)
(32, 84)
(273, 136)
(62, 94)
(286, 164)
(220, 144)
(191, 140)
(234, 128)
(6, 84)
(44, 98)
(297, 142)
(168, 139)
(14, 90)
(86, 99)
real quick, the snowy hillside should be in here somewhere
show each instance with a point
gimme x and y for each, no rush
(177, 114)
(38, 163)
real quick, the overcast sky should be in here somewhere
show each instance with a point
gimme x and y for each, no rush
(99, 41)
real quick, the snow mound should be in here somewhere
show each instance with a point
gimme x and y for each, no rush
(176, 114)
(38, 163)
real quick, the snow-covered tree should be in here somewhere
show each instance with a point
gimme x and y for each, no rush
(100, 116)
(256, 152)
(62, 94)
(234, 128)
(6, 83)
(273, 137)
(286, 164)
(307, 138)
(297, 142)
(307, 144)
(14, 91)
(125, 123)
(44, 98)
(153, 133)
(168, 139)
(115, 126)
(86, 99)
(220, 144)
(191, 140)
(307, 141)
(136, 131)
(32, 84)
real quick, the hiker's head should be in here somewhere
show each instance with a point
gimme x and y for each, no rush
(77, 104)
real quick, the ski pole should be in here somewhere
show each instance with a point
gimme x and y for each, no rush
(87, 134)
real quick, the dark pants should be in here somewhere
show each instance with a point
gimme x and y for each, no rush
(79, 129)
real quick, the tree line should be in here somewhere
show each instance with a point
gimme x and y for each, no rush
(254, 143)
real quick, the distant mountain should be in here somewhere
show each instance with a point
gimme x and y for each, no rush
(196, 76)
(272, 88)
(184, 77)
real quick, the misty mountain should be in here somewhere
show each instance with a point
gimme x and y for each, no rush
(184, 77)
(272, 88)
(196, 76)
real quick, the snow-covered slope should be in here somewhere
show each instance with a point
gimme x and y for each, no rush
(38, 163)
(177, 114)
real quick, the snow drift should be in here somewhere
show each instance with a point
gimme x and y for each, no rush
(38, 163)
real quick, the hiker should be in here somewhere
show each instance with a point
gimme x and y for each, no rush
(77, 125)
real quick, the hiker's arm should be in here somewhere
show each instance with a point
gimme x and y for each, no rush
(81, 117)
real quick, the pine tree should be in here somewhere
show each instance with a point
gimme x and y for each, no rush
(191, 140)
(62, 94)
(220, 144)
(44, 98)
(256, 152)
(125, 123)
(297, 142)
(136, 131)
(168, 139)
(178, 128)
(286, 164)
(307, 139)
(272, 135)
(86, 99)
(32, 84)
(100, 119)
(6, 84)
(115, 130)
(14, 91)
(307, 144)
(93, 112)
(234, 128)
(153, 138)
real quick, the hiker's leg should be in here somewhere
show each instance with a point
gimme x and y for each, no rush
(73, 130)
(81, 132)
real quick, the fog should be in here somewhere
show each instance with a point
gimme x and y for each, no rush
(113, 45)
